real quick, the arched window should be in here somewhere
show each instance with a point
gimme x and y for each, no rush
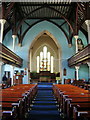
(52, 64)
(44, 52)
(45, 61)
(37, 64)
(48, 64)
(41, 58)
(45, 57)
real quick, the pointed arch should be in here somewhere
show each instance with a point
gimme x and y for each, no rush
(56, 43)
(49, 34)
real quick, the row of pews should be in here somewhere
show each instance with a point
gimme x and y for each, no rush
(79, 83)
(74, 102)
(15, 101)
(82, 84)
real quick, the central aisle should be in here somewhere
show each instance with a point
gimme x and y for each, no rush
(44, 106)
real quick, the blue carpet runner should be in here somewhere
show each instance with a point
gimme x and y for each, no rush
(44, 106)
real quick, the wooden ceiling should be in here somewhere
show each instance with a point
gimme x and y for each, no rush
(73, 13)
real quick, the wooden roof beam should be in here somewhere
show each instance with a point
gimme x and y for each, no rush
(66, 19)
(27, 23)
(69, 42)
(62, 23)
(9, 9)
(2, 11)
(68, 39)
(87, 5)
(39, 4)
(22, 21)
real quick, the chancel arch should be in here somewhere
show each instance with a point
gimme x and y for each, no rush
(45, 42)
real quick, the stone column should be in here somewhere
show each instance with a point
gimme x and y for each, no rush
(12, 75)
(88, 29)
(2, 21)
(76, 43)
(30, 60)
(28, 76)
(77, 71)
(59, 60)
(12, 67)
(89, 68)
(1, 63)
(14, 38)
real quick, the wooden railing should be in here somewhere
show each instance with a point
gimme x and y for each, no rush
(82, 56)
(9, 57)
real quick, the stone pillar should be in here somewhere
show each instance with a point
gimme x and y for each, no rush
(28, 76)
(88, 29)
(1, 63)
(14, 37)
(76, 43)
(12, 75)
(12, 67)
(59, 60)
(89, 68)
(2, 21)
(31, 60)
(77, 71)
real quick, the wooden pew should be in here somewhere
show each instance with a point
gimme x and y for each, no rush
(64, 90)
(18, 95)
(87, 87)
(80, 102)
(66, 104)
(28, 90)
(80, 111)
(69, 94)
(16, 103)
(85, 115)
(64, 95)
(8, 96)
(9, 111)
(0, 114)
(16, 99)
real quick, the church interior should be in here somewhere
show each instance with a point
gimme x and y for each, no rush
(45, 60)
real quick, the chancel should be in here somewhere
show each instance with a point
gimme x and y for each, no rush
(45, 60)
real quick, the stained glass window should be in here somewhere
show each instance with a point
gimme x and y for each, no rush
(51, 64)
(45, 61)
(37, 64)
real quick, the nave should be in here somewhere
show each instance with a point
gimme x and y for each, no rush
(45, 101)
(45, 41)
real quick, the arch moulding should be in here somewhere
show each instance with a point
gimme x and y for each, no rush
(31, 48)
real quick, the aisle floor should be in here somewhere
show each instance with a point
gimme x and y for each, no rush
(44, 106)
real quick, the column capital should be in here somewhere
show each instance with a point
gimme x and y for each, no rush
(69, 45)
(12, 66)
(14, 36)
(77, 67)
(2, 21)
(76, 36)
(1, 63)
(20, 44)
(76, 42)
(87, 22)
(88, 64)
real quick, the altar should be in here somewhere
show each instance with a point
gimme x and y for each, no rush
(45, 79)
(45, 76)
